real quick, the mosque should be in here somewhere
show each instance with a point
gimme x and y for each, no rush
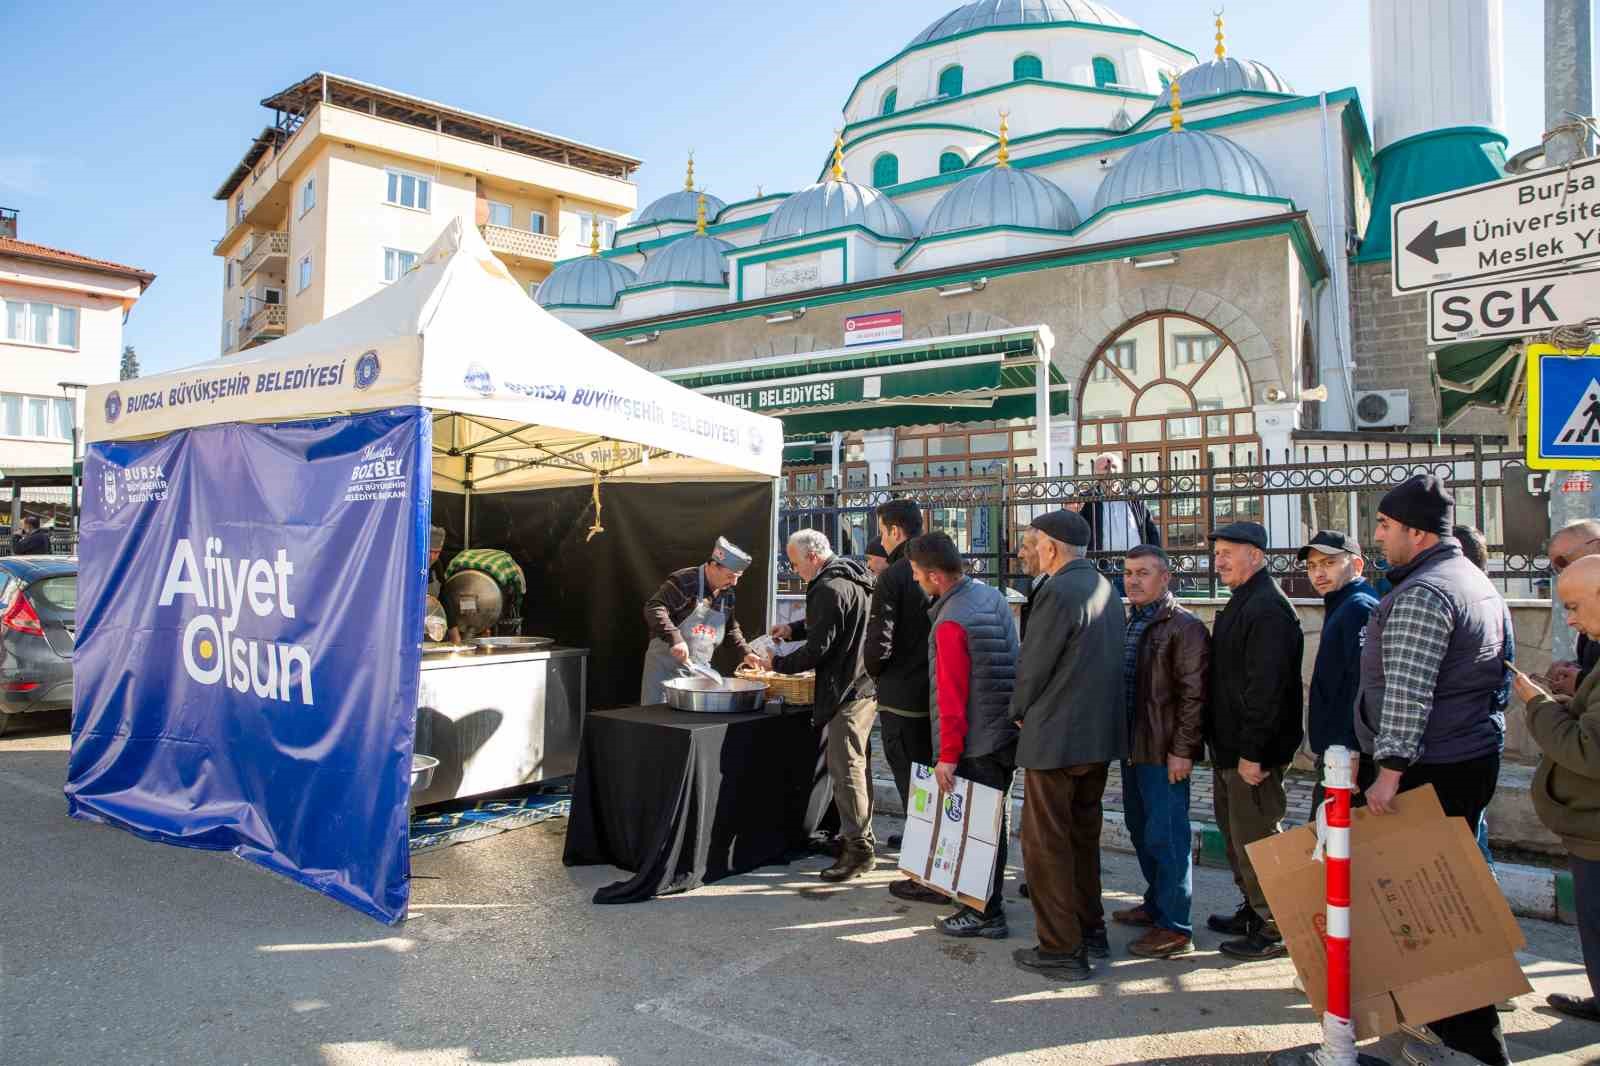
(1044, 233)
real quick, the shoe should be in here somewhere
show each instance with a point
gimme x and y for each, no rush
(1241, 922)
(1098, 944)
(825, 844)
(1133, 916)
(1436, 1055)
(1022, 889)
(1262, 943)
(1072, 966)
(895, 840)
(856, 859)
(916, 892)
(1506, 1006)
(1585, 1007)
(1162, 944)
(968, 922)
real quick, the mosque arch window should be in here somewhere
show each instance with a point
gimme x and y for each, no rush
(890, 98)
(1170, 393)
(886, 170)
(950, 81)
(950, 161)
(1105, 71)
(1026, 66)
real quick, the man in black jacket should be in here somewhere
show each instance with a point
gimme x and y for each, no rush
(1253, 723)
(896, 657)
(1116, 525)
(838, 598)
(31, 540)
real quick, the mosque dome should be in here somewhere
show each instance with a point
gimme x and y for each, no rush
(1002, 196)
(987, 14)
(1222, 76)
(694, 259)
(587, 282)
(677, 207)
(1183, 160)
(835, 203)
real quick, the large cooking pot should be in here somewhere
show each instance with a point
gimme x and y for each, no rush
(732, 696)
(472, 602)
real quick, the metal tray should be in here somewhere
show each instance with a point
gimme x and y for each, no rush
(494, 644)
(700, 694)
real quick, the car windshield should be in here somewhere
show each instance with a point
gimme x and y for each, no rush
(58, 593)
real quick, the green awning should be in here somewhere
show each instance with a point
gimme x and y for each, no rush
(1476, 373)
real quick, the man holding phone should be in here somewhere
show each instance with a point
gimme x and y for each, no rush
(1576, 540)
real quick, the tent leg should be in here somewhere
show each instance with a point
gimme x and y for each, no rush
(466, 508)
(777, 545)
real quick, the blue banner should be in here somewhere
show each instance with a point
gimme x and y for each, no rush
(245, 678)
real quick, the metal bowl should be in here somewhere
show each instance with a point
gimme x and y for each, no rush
(422, 768)
(701, 694)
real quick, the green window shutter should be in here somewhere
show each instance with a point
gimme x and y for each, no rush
(950, 81)
(1026, 67)
(949, 161)
(889, 100)
(1105, 71)
(886, 170)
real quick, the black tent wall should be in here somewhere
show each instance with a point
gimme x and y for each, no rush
(591, 593)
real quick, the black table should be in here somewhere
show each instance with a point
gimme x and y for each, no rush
(684, 799)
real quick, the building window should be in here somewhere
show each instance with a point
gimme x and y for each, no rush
(305, 272)
(238, 209)
(950, 81)
(36, 417)
(64, 418)
(11, 416)
(396, 263)
(608, 230)
(499, 214)
(886, 170)
(1026, 66)
(1105, 71)
(227, 335)
(950, 161)
(408, 190)
(67, 327)
(308, 195)
(536, 222)
(45, 324)
(890, 98)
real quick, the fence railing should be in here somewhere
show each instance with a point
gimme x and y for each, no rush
(1291, 494)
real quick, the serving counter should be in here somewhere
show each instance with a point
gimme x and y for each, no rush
(496, 720)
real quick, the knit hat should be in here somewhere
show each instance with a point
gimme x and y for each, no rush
(1421, 502)
(1065, 526)
(876, 548)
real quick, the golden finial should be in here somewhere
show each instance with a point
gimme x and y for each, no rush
(688, 178)
(1221, 51)
(700, 216)
(1177, 107)
(1004, 158)
(838, 155)
(594, 238)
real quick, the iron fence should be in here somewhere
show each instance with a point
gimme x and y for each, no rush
(1292, 494)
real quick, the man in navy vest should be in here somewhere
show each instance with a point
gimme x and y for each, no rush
(1426, 713)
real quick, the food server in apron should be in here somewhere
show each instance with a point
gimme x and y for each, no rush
(690, 615)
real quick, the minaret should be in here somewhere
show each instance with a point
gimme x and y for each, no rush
(1436, 64)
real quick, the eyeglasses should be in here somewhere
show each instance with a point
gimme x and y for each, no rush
(1559, 563)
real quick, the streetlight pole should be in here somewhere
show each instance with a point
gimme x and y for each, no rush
(68, 388)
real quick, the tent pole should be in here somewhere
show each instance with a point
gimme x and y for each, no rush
(466, 507)
(773, 540)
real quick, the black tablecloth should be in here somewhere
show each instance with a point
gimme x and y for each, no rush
(683, 799)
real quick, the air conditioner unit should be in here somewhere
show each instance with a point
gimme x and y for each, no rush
(1383, 408)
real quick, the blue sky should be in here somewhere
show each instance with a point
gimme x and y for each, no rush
(123, 119)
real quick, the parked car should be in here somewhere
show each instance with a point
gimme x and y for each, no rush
(38, 627)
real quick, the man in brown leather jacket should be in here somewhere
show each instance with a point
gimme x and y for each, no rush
(1165, 672)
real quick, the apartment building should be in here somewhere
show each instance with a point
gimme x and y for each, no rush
(352, 182)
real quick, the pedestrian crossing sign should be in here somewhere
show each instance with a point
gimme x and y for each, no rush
(1563, 408)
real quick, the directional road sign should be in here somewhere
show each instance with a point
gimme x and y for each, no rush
(1515, 307)
(1514, 225)
(1563, 408)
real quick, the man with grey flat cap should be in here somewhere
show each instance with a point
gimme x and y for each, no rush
(690, 616)
(1253, 723)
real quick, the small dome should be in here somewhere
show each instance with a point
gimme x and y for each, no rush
(1002, 196)
(986, 14)
(1183, 161)
(695, 259)
(587, 282)
(678, 207)
(1222, 76)
(832, 204)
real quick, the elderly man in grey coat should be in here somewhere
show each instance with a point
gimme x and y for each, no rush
(1070, 703)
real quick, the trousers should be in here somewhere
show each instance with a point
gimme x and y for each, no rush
(906, 739)
(1157, 813)
(1245, 814)
(849, 764)
(1586, 899)
(1061, 822)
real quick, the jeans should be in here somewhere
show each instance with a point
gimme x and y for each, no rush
(995, 770)
(1157, 813)
(1586, 899)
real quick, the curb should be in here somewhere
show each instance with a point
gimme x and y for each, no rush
(1532, 891)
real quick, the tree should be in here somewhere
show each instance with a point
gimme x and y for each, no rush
(130, 363)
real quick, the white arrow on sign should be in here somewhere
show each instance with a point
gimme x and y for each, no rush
(1503, 227)
(1515, 307)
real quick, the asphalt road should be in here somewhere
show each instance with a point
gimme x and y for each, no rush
(115, 950)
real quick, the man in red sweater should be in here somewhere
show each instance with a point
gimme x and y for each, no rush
(972, 660)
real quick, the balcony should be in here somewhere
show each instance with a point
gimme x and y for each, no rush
(263, 322)
(266, 250)
(519, 243)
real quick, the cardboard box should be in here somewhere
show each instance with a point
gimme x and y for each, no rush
(1431, 935)
(950, 841)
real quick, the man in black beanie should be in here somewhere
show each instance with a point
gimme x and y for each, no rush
(1426, 712)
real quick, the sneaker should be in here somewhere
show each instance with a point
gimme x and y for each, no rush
(1097, 942)
(1585, 1007)
(916, 892)
(1162, 944)
(1241, 922)
(1133, 916)
(968, 922)
(1072, 966)
(895, 840)
(1436, 1055)
(856, 859)
(1262, 943)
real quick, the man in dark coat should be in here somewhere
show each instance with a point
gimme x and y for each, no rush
(1572, 542)
(1253, 723)
(1334, 564)
(1069, 702)
(838, 599)
(31, 540)
(1116, 525)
